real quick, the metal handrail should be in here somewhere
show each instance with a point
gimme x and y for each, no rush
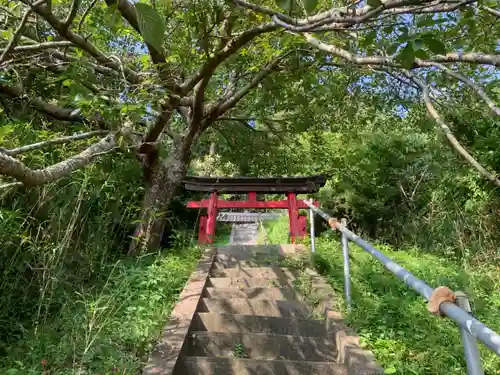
(470, 327)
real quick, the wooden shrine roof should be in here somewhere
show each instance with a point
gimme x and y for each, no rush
(268, 185)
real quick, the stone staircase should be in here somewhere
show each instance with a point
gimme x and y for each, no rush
(243, 313)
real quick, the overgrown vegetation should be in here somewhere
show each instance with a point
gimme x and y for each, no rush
(72, 302)
(106, 105)
(392, 319)
(103, 328)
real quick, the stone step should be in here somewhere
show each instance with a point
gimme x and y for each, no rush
(220, 265)
(237, 323)
(241, 251)
(251, 293)
(229, 366)
(247, 260)
(261, 307)
(250, 272)
(245, 282)
(260, 346)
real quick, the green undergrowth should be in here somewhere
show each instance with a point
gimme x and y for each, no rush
(222, 234)
(110, 327)
(276, 231)
(393, 320)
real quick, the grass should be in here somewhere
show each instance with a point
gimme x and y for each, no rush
(277, 231)
(109, 328)
(393, 320)
(222, 234)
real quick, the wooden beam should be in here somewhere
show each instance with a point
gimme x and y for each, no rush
(283, 204)
(270, 185)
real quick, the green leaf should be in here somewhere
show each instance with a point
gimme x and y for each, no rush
(374, 3)
(390, 370)
(310, 5)
(151, 25)
(406, 56)
(388, 29)
(418, 44)
(369, 38)
(392, 48)
(434, 45)
(286, 5)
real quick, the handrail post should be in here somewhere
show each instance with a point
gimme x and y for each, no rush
(311, 226)
(347, 272)
(471, 350)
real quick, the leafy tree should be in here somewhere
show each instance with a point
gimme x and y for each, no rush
(85, 64)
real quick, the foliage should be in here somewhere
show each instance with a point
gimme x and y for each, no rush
(71, 300)
(392, 320)
(108, 327)
(281, 87)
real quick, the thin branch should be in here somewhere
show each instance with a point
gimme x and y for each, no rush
(85, 14)
(59, 113)
(82, 43)
(489, 102)
(52, 142)
(231, 101)
(72, 13)
(448, 133)
(31, 177)
(492, 11)
(452, 57)
(10, 185)
(40, 46)
(230, 48)
(16, 36)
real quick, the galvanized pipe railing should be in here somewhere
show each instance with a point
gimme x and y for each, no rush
(470, 328)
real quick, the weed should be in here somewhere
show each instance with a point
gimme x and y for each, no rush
(393, 321)
(239, 351)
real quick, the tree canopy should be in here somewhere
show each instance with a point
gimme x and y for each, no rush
(156, 78)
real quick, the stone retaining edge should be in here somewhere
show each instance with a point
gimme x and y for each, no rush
(165, 354)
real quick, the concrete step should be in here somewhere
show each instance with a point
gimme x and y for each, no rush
(285, 275)
(250, 272)
(260, 346)
(244, 251)
(228, 366)
(227, 262)
(251, 293)
(237, 323)
(245, 282)
(261, 307)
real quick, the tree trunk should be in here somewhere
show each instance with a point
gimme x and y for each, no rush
(167, 176)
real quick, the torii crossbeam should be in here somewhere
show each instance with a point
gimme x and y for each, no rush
(290, 186)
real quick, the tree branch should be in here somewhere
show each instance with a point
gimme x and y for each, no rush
(59, 113)
(86, 13)
(127, 10)
(489, 102)
(448, 133)
(162, 122)
(230, 102)
(452, 57)
(199, 101)
(492, 11)
(72, 13)
(82, 43)
(40, 46)
(15, 37)
(52, 142)
(229, 49)
(31, 177)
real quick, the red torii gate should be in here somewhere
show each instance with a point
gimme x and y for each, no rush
(291, 186)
